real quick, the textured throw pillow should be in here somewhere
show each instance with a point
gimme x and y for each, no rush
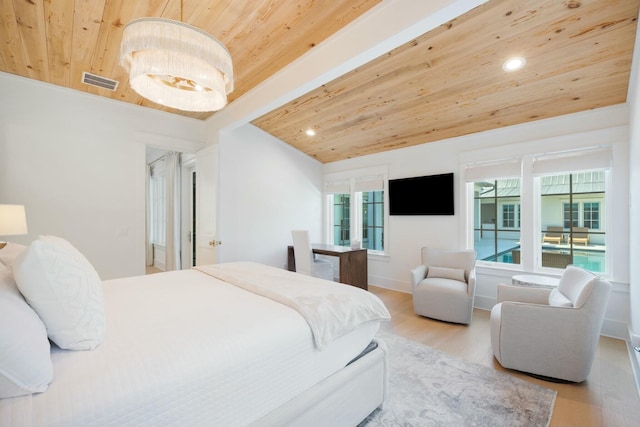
(25, 360)
(65, 290)
(557, 299)
(10, 252)
(446, 273)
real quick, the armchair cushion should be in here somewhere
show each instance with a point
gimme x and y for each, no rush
(446, 273)
(556, 299)
(576, 285)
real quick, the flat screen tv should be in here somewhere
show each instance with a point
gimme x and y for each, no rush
(422, 195)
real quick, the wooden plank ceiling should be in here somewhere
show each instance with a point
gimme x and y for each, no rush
(446, 83)
(55, 41)
(449, 82)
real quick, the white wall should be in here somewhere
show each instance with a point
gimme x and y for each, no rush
(77, 163)
(406, 235)
(267, 188)
(633, 99)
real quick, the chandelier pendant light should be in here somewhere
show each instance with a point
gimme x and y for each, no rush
(177, 65)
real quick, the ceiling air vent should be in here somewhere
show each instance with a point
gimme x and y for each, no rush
(98, 81)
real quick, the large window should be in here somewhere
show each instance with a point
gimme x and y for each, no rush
(497, 220)
(356, 209)
(541, 211)
(581, 240)
(373, 220)
(341, 217)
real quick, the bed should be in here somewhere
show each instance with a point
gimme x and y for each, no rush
(229, 344)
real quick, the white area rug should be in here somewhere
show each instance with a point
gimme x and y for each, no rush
(428, 387)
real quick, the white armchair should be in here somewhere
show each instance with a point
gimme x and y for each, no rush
(443, 286)
(550, 333)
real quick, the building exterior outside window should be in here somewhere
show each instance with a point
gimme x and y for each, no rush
(496, 235)
(373, 220)
(341, 218)
(356, 209)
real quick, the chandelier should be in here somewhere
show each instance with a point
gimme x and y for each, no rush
(177, 65)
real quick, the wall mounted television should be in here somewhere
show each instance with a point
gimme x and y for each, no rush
(422, 195)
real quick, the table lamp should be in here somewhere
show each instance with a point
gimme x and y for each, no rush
(13, 221)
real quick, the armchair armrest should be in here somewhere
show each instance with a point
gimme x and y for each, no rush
(417, 274)
(471, 282)
(523, 294)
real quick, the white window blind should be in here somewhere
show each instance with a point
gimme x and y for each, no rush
(369, 183)
(572, 161)
(337, 187)
(492, 170)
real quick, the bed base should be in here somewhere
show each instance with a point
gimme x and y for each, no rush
(343, 399)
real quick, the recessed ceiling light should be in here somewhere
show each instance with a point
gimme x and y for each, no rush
(310, 132)
(514, 64)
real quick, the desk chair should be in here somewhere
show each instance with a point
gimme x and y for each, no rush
(306, 263)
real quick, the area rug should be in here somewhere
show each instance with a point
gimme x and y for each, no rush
(428, 387)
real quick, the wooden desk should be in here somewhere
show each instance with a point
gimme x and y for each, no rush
(353, 263)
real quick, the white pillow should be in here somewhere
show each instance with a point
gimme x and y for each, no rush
(25, 360)
(446, 273)
(557, 299)
(10, 252)
(65, 290)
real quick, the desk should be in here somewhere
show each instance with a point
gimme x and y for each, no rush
(534, 280)
(353, 263)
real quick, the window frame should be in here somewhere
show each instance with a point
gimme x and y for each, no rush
(575, 160)
(351, 180)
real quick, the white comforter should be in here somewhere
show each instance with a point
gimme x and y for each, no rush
(184, 349)
(331, 309)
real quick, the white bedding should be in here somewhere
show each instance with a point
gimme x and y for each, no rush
(331, 309)
(180, 351)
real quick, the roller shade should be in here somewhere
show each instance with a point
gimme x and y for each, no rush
(572, 161)
(369, 183)
(494, 170)
(337, 187)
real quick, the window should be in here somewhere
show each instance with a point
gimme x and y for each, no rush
(509, 219)
(591, 215)
(564, 211)
(341, 215)
(582, 242)
(570, 215)
(497, 241)
(357, 209)
(373, 220)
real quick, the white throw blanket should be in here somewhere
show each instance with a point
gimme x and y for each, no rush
(331, 309)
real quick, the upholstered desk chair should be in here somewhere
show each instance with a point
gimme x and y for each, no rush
(306, 263)
(550, 332)
(443, 286)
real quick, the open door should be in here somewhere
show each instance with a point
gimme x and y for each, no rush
(206, 205)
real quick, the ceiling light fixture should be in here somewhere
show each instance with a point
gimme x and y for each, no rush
(310, 132)
(514, 64)
(175, 64)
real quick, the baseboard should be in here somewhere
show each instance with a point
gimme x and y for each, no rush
(634, 359)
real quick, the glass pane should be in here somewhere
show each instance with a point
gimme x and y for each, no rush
(572, 207)
(373, 220)
(341, 222)
(497, 220)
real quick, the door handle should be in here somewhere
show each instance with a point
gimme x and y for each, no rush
(215, 242)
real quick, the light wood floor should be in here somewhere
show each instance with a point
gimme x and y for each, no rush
(608, 397)
(152, 270)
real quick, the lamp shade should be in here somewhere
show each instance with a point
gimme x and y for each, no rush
(174, 64)
(13, 220)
